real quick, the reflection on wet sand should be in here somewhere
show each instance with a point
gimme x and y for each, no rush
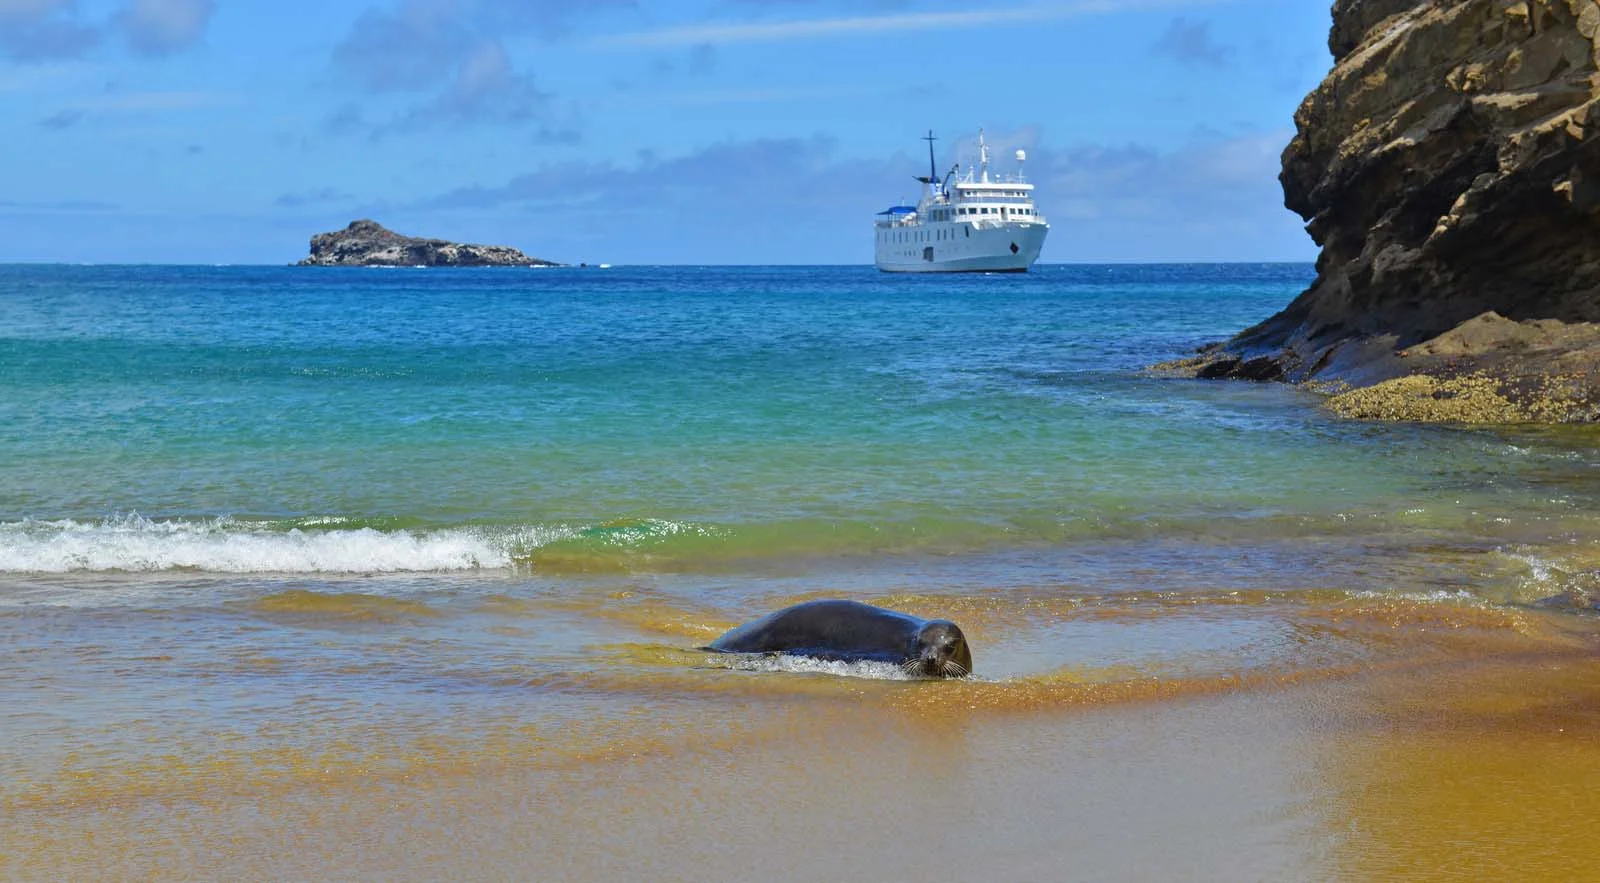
(1481, 771)
(1243, 735)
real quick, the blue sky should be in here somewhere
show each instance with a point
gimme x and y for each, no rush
(636, 131)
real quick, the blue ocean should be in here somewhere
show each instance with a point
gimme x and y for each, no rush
(259, 523)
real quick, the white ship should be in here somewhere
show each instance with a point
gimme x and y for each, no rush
(984, 224)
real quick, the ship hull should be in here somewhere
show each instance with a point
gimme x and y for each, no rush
(966, 249)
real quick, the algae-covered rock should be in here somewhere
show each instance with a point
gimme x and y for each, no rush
(1473, 398)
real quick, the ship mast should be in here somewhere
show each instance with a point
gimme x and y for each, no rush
(983, 156)
(933, 169)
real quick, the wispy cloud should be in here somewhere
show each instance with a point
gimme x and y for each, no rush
(319, 196)
(861, 25)
(130, 103)
(39, 78)
(752, 96)
(162, 27)
(62, 205)
(41, 30)
(1190, 43)
(444, 64)
(61, 119)
(719, 175)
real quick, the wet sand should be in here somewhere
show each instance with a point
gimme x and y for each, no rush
(1459, 748)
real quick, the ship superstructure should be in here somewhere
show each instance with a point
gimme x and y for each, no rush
(982, 222)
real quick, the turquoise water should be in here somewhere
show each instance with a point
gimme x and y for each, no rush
(284, 420)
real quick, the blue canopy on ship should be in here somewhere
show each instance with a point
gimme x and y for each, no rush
(898, 210)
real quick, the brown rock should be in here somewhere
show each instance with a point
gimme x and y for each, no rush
(367, 243)
(1449, 167)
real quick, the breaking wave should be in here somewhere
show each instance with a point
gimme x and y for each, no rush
(134, 544)
(332, 544)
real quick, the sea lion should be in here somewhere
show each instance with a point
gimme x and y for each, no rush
(851, 631)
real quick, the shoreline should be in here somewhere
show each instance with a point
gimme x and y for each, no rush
(1487, 371)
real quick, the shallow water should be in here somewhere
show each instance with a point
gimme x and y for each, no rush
(281, 548)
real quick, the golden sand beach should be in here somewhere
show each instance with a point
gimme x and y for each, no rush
(1395, 740)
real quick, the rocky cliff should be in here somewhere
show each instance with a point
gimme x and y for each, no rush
(370, 244)
(1449, 167)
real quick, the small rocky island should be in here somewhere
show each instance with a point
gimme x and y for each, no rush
(1449, 168)
(369, 244)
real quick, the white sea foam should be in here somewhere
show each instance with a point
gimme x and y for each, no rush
(140, 545)
(879, 671)
(1539, 569)
(1436, 596)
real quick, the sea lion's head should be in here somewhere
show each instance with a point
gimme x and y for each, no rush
(939, 651)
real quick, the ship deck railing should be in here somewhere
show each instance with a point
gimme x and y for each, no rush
(978, 200)
(977, 222)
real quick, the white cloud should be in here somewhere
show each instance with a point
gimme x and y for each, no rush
(30, 10)
(161, 27)
(443, 63)
(40, 30)
(816, 28)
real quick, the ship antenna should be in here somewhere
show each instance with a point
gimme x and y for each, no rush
(933, 168)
